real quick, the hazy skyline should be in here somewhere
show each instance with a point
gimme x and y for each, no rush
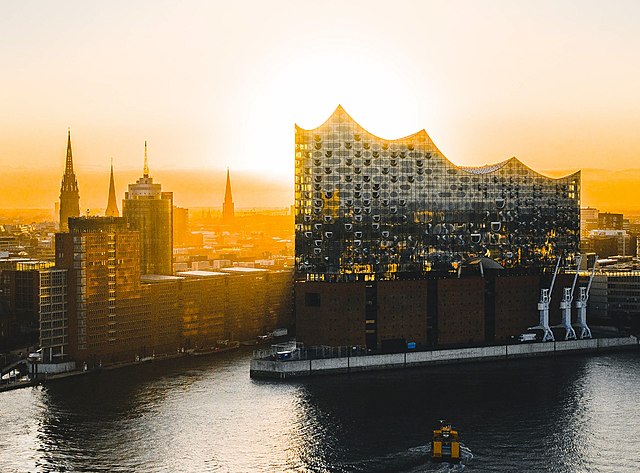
(214, 84)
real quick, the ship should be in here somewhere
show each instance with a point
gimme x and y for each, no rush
(445, 445)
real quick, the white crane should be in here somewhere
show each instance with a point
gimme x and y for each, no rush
(565, 306)
(581, 305)
(543, 308)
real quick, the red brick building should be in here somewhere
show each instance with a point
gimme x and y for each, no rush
(443, 310)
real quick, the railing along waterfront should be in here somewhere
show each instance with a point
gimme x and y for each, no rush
(297, 351)
(292, 360)
(293, 350)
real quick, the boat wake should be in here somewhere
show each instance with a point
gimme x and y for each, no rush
(413, 460)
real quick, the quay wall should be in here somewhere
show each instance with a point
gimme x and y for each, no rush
(263, 368)
(54, 368)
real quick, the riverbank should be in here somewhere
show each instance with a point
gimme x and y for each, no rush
(284, 369)
(46, 378)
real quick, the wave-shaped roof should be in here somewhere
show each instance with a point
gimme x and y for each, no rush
(423, 138)
(486, 169)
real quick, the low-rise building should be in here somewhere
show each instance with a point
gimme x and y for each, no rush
(441, 310)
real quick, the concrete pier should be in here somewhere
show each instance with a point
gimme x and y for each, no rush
(283, 369)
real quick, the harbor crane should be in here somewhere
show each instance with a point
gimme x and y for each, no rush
(581, 305)
(565, 306)
(543, 308)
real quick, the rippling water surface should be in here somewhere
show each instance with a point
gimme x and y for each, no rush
(570, 414)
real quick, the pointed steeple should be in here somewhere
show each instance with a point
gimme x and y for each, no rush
(227, 207)
(145, 172)
(69, 194)
(227, 190)
(112, 205)
(68, 169)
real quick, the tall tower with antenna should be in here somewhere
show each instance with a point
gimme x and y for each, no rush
(149, 210)
(69, 194)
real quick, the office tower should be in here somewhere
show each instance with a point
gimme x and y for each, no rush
(376, 208)
(107, 317)
(69, 195)
(150, 211)
(588, 221)
(53, 313)
(33, 293)
(112, 205)
(228, 213)
(610, 221)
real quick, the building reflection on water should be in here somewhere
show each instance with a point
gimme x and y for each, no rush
(563, 414)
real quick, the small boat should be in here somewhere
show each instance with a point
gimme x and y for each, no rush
(445, 445)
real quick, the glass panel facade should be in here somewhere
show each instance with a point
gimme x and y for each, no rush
(369, 206)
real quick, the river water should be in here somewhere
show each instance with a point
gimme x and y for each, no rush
(568, 414)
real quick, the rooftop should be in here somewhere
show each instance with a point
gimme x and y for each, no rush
(242, 269)
(150, 278)
(486, 169)
(423, 140)
(204, 274)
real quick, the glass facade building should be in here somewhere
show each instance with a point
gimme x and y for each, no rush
(371, 208)
(150, 211)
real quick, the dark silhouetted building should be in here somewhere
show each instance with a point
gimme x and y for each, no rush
(34, 309)
(69, 194)
(150, 211)
(610, 221)
(607, 243)
(7, 326)
(615, 298)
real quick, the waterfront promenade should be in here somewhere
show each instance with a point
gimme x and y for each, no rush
(267, 364)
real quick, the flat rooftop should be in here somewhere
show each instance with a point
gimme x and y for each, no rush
(242, 269)
(158, 278)
(202, 274)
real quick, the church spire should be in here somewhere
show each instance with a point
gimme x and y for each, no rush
(112, 205)
(145, 172)
(69, 194)
(227, 207)
(68, 169)
(227, 190)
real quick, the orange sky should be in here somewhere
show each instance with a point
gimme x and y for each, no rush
(216, 84)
